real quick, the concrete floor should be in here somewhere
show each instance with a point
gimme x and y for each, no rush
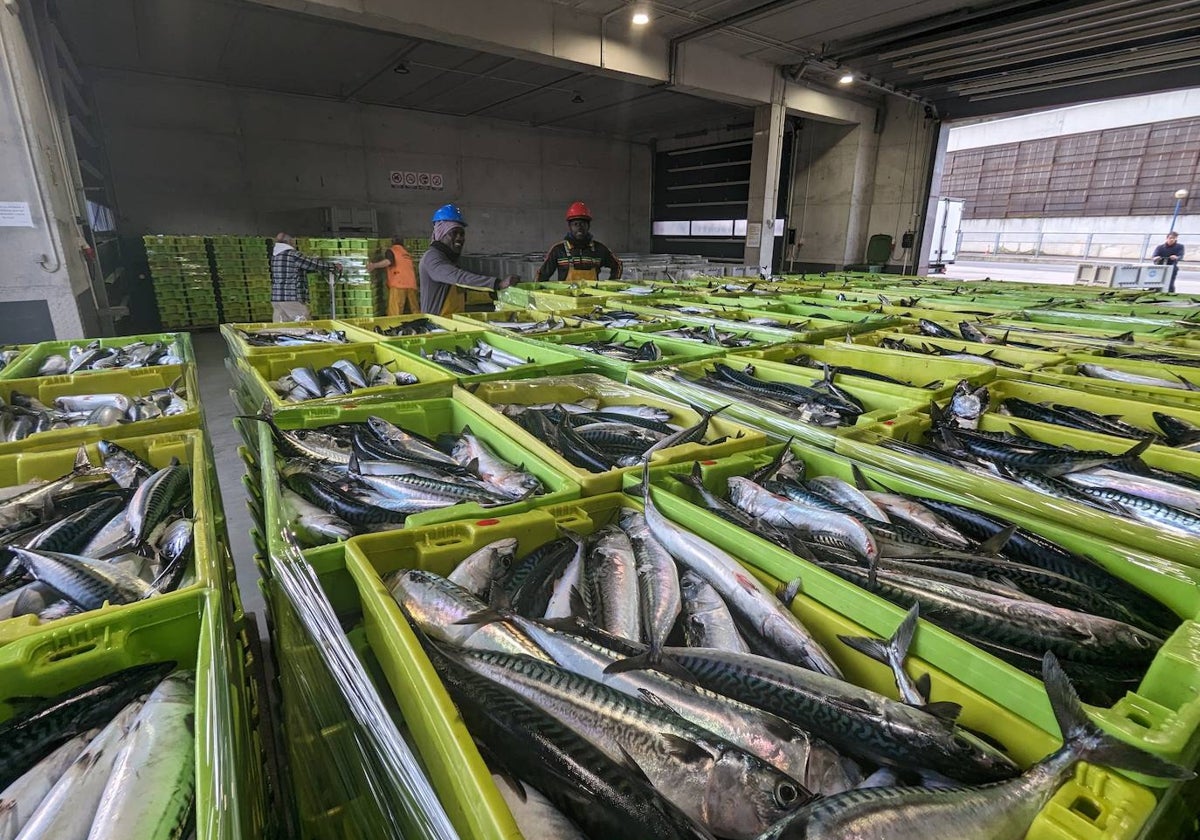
(219, 412)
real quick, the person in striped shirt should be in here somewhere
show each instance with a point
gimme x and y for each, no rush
(578, 258)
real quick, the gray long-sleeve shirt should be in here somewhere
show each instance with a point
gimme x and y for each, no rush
(440, 273)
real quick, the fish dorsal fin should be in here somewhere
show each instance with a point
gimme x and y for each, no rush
(860, 480)
(995, 543)
(82, 461)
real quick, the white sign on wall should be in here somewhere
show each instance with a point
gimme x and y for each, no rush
(15, 214)
(405, 180)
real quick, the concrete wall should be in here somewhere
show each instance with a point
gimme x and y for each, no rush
(199, 158)
(44, 272)
(901, 172)
(832, 194)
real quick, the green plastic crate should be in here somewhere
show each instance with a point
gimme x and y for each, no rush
(736, 319)
(136, 381)
(253, 373)
(158, 450)
(1026, 360)
(825, 322)
(1053, 334)
(1067, 376)
(573, 321)
(22, 355)
(888, 407)
(865, 446)
(29, 364)
(543, 361)
(334, 795)
(673, 350)
(239, 347)
(464, 782)
(428, 418)
(1163, 716)
(1142, 326)
(570, 389)
(363, 329)
(1138, 412)
(917, 370)
(228, 802)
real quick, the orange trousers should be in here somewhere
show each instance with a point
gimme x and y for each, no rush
(402, 302)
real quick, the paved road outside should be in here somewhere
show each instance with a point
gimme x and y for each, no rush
(1064, 273)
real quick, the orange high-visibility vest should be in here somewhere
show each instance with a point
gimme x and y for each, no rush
(400, 274)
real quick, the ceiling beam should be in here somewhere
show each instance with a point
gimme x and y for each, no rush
(733, 20)
(954, 26)
(1131, 20)
(510, 99)
(1143, 33)
(1108, 78)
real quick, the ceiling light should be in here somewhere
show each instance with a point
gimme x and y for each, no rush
(577, 99)
(641, 17)
(401, 68)
(846, 79)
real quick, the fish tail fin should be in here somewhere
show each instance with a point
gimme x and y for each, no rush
(887, 650)
(1088, 741)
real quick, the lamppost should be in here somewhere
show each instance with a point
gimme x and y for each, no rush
(1180, 195)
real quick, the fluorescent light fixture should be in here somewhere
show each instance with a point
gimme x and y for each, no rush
(641, 17)
(846, 78)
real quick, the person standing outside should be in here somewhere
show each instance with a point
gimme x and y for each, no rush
(1169, 253)
(401, 279)
(289, 286)
(578, 258)
(442, 281)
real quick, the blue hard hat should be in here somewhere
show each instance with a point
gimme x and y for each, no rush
(449, 213)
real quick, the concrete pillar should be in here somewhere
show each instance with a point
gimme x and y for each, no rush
(862, 193)
(45, 280)
(764, 179)
(938, 154)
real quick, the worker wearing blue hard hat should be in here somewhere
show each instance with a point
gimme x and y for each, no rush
(442, 280)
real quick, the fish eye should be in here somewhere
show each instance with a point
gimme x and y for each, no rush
(787, 794)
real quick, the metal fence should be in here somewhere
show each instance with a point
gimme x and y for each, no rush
(1127, 247)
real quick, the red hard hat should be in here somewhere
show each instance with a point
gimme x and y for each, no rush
(578, 210)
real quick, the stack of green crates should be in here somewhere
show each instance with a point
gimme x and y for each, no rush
(243, 273)
(182, 278)
(356, 293)
(416, 248)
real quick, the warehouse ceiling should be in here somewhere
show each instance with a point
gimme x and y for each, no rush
(967, 58)
(243, 44)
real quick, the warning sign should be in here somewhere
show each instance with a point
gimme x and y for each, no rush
(401, 179)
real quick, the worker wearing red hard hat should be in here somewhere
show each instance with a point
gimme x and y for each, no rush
(578, 258)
